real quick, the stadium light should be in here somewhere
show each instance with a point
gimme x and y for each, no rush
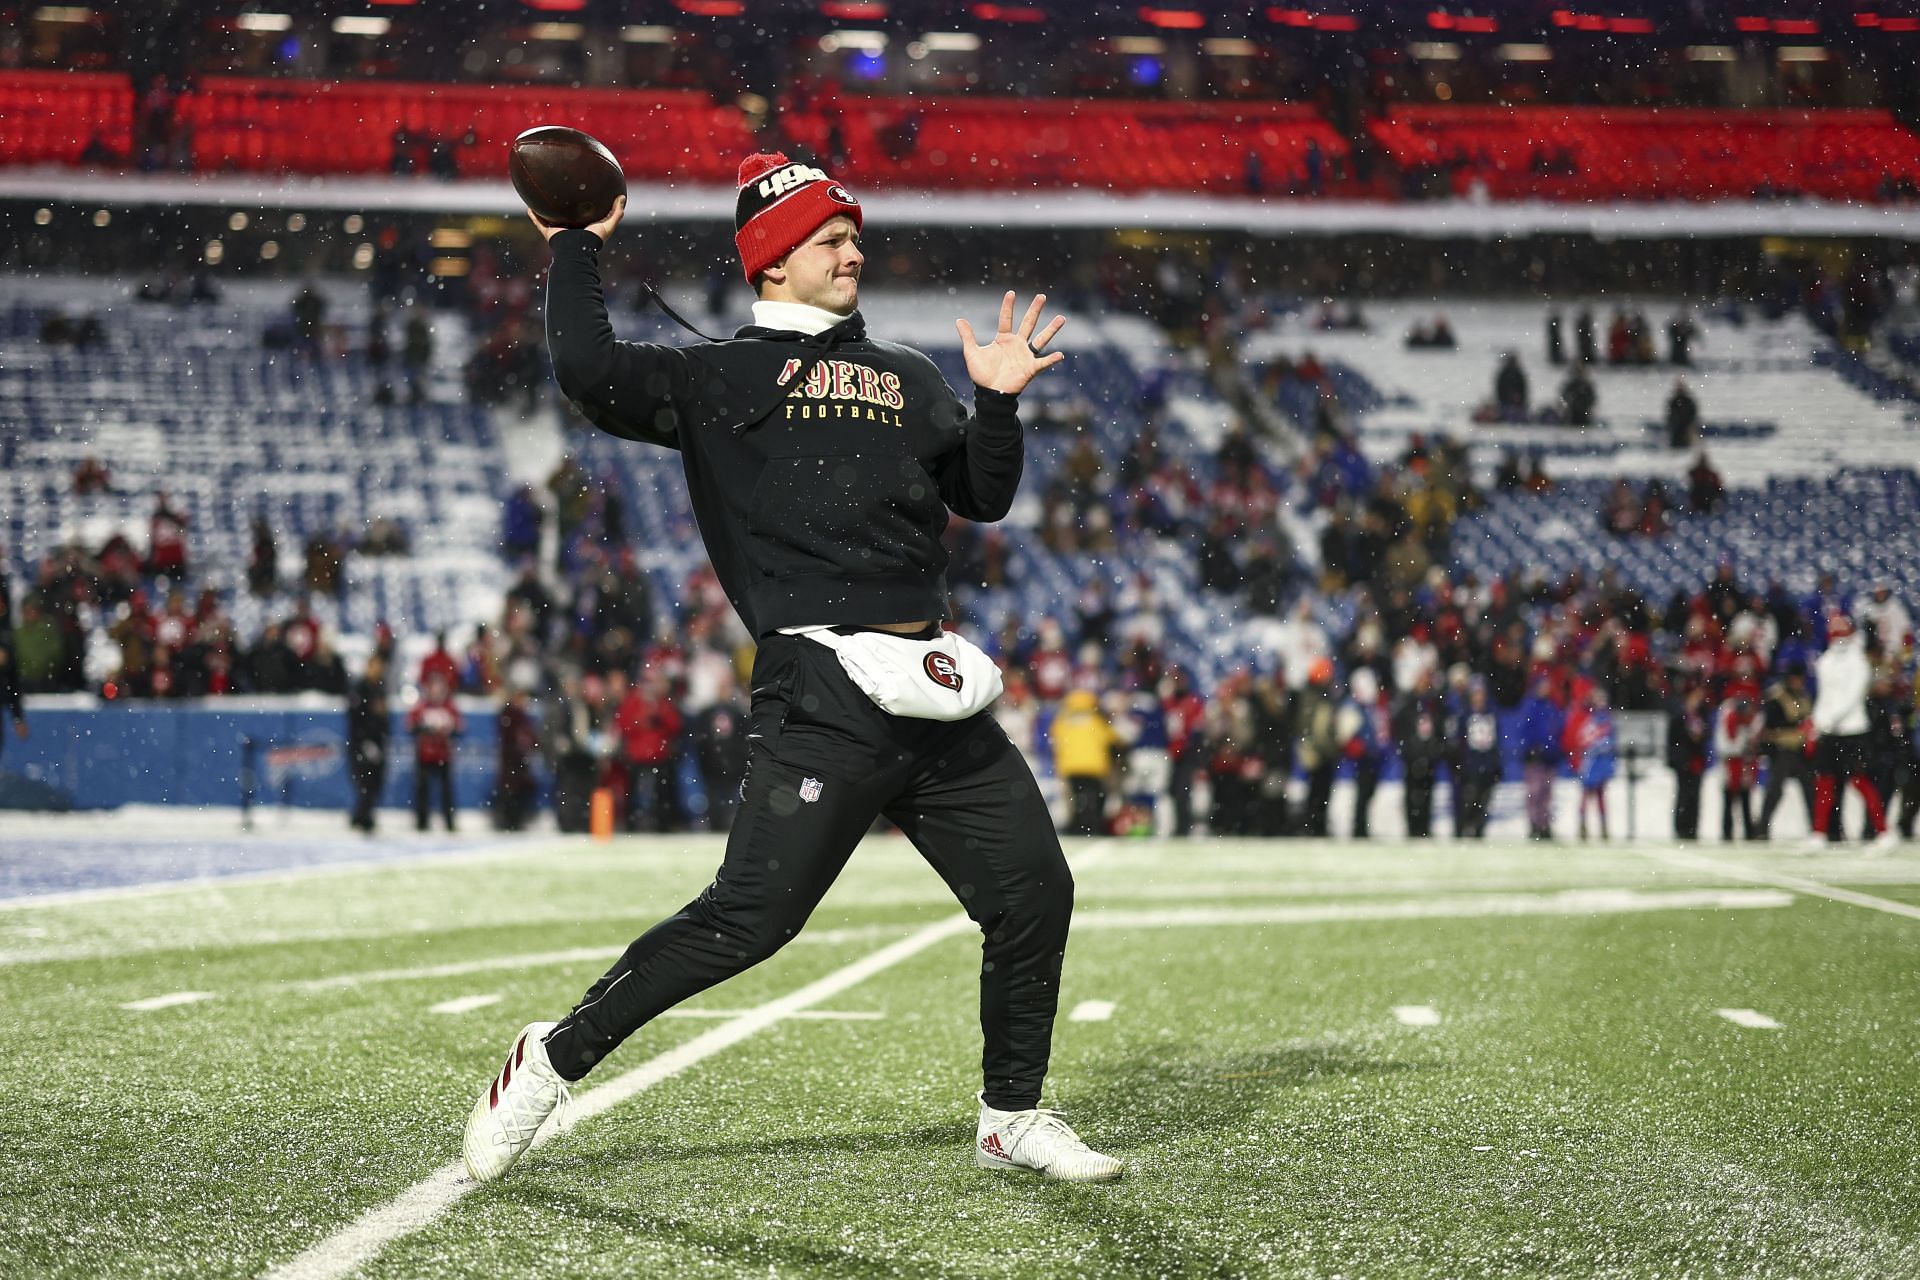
(1525, 53)
(1173, 19)
(1434, 50)
(352, 26)
(1709, 53)
(1802, 53)
(63, 13)
(556, 31)
(1009, 13)
(1230, 47)
(854, 10)
(711, 8)
(865, 41)
(264, 21)
(556, 6)
(1139, 44)
(647, 34)
(950, 41)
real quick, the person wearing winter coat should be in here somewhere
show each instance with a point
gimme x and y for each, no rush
(1840, 725)
(1539, 727)
(1736, 744)
(368, 729)
(1890, 717)
(1590, 742)
(1365, 729)
(1317, 744)
(1689, 732)
(435, 724)
(1083, 746)
(1419, 735)
(1786, 735)
(1473, 736)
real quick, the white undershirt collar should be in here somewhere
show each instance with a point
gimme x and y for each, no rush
(794, 317)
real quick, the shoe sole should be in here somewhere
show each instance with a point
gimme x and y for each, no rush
(984, 1161)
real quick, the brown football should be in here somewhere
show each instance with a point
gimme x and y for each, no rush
(566, 177)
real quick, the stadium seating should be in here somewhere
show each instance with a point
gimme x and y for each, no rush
(190, 402)
(1818, 459)
(1652, 154)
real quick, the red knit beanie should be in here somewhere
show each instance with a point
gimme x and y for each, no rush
(781, 203)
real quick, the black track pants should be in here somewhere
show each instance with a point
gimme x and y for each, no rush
(824, 762)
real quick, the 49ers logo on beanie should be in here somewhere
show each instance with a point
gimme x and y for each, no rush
(781, 203)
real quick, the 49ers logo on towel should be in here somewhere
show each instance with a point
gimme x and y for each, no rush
(943, 671)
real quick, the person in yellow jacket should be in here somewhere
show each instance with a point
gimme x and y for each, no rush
(1083, 744)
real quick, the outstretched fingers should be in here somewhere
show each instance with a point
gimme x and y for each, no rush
(966, 333)
(1006, 313)
(1047, 334)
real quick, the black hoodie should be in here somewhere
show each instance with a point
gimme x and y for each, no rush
(821, 469)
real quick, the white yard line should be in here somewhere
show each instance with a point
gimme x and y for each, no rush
(1417, 1015)
(1749, 1018)
(1568, 902)
(167, 1001)
(1578, 902)
(460, 968)
(363, 1238)
(1092, 1011)
(465, 1004)
(1799, 884)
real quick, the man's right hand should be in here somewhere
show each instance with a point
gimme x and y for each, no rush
(603, 228)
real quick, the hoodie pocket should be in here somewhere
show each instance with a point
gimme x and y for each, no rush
(846, 512)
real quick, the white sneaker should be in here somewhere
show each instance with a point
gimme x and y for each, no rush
(1041, 1141)
(1886, 841)
(514, 1106)
(1815, 844)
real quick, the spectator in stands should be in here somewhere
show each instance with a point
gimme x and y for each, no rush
(1683, 417)
(416, 354)
(516, 788)
(1473, 738)
(11, 681)
(1905, 784)
(720, 744)
(1434, 335)
(1510, 389)
(1842, 680)
(1365, 730)
(1689, 732)
(368, 730)
(1419, 735)
(1589, 744)
(1556, 349)
(435, 723)
(1705, 490)
(166, 539)
(649, 725)
(1889, 625)
(1583, 337)
(1083, 747)
(440, 664)
(1681, 331)
(263, 565)
(309, 321)
(1186, 713)
(323, 555)
(1539, 729)
(1578, 396)
(1736, 744)
(1315, 734)
(90, 477)
(520, 525)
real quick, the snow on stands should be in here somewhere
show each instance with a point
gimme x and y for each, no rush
(1819, 470)
(192, 401)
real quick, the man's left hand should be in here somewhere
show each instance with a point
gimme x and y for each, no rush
(1011, 360)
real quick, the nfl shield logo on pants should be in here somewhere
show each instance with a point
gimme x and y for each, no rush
(809, 789)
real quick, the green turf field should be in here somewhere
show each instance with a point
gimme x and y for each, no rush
(1320, 1061)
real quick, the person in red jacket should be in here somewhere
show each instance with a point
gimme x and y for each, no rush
(434, 723)
(649, 727)
(440, 663)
